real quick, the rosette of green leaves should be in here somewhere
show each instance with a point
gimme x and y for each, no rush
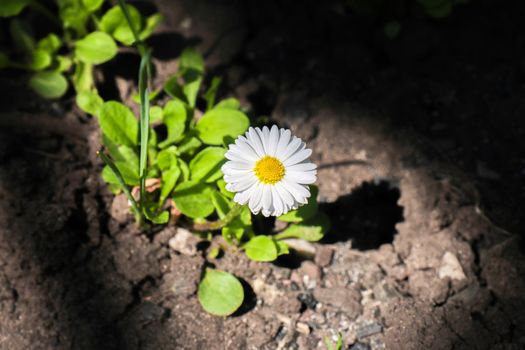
(86, 36)
(187, 159)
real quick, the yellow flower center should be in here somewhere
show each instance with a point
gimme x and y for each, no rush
(269, 170)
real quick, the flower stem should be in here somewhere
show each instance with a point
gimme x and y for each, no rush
(218, 224)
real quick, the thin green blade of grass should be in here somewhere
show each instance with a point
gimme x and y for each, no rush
(121, 182)
(144, 123)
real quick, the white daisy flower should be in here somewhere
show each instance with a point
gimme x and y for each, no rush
(269, 170)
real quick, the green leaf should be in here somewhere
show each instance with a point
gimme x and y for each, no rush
(175, 120)
(127, 162)
(167, 158)
(121, 183)
(92, 5)
(191, 68)
(39, 60)
(193, 199)
(169, 179)
(206, 165)
(214, 253)
(73, 15)
(50, 43)
(222, 187)
(155, 114)
(49, 84)
(229, 103)
(118, 123)
(221, 203)
(90, 102)
(10, 8)
(311, 230)
(128, 171)
(151, 23)
(95, 48)
(4, 60)
(184, 168)
(174, 89)
(212, 92)
(190, 59)
(83, 77)
(261, 248)
(189, 146)
(282, 248)
(156, 217)
(239, 227)
(21, 35)
(220, 293)
(217, 124)
(114, 22)
(64, 63)
(306, 211)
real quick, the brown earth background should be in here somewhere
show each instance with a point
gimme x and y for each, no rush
(419, 142)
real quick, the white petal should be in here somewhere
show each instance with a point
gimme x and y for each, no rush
(267, 197)
(243, 185)
(293, 147)
(277, 202)
(284, 140)
(255, 198)
(264, 135)
(234, 178)
(285, 195)
(236, 156)
(273, 141)
(237, 165)
(298, 157)
(299, 192)
(235, 172)
(302, 167)
(246, 149)
(255, 141)
(242, 151)
(301, 177)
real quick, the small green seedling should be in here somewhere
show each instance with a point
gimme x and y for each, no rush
(331, 346)
(83, 35)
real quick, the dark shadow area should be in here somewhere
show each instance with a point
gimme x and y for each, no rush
(169, 45)
(124, 65)
(367, 216)
(292, 260)
(45, 218)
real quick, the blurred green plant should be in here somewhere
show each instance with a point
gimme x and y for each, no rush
(392, 12)
(84, 35)
(331, 346)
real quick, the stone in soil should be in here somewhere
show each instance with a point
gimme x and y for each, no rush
(184, 242)
(347, 300)
(324, 256)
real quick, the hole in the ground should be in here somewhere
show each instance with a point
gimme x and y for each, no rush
(367, 216)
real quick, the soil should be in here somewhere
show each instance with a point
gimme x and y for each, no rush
(420, 169)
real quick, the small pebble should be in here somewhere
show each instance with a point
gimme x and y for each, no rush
(360, 346)
(324, 256)
(368, 330)
(308, 300)
(302, 327)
